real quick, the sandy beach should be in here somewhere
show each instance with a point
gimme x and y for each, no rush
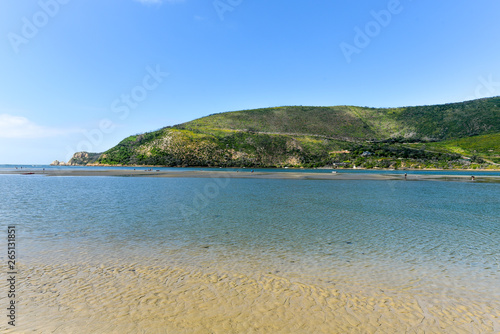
(254, 175)
(136, 298)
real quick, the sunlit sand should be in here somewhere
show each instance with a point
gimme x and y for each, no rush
(135, 298)
(189, 173)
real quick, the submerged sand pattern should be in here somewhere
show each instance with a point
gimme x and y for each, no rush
(133, 298)
(97, 257)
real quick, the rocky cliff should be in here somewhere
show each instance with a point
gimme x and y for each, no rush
(79, 159)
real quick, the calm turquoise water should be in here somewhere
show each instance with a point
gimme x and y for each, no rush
(439, 236)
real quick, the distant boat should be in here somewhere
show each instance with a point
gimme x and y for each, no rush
(27, 173)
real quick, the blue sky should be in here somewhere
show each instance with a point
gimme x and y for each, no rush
(85, 74)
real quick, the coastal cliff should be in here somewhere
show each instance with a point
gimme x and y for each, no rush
(79, 159)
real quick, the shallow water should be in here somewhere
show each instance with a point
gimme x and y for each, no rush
(370, 255)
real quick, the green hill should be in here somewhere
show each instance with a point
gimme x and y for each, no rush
(455, 135)
(438, 122)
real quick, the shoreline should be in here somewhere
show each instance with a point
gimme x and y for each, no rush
(278, 168)
(29, 166)
(254, 175)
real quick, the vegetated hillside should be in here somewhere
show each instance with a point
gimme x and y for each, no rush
(455, 120)
(317, 136)
(485, 146)
(437, 122)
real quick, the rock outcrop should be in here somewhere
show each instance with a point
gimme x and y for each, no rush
(83, 158)
(58, 163)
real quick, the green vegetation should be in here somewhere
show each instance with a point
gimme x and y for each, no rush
(458, 135)
(439, 122)
(485, 147)
(455, 120)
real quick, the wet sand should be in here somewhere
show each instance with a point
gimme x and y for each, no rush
(137, 298)
(256, 175)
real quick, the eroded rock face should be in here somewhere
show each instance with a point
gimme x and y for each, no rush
(58, 163)
(83, 158)
(79, 159)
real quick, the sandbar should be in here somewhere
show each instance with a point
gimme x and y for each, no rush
(254, 175)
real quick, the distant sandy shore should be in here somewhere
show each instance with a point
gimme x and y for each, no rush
(255, 175)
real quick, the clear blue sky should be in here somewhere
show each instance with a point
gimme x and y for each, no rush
(70, 68)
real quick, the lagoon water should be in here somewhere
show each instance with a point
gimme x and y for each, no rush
(254, 255)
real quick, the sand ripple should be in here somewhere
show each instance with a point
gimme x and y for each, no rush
(81, 298)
